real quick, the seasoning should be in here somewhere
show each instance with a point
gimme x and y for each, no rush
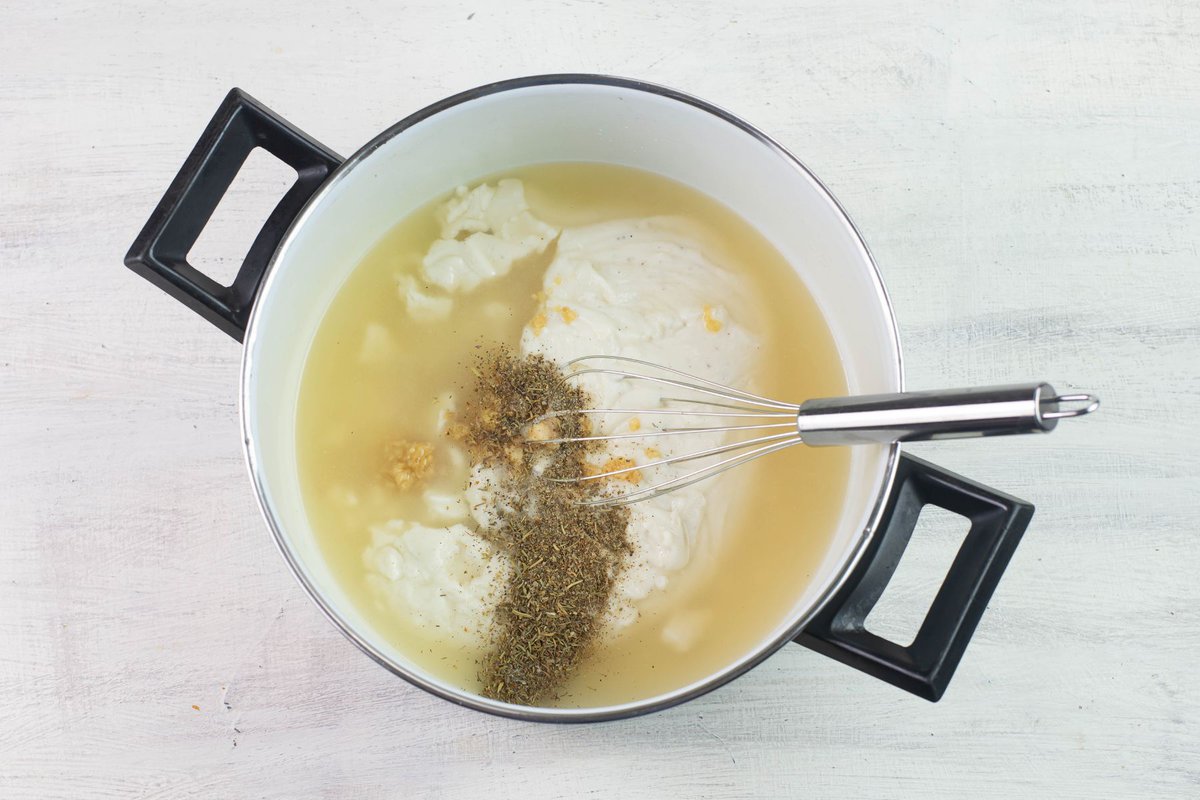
(408, 463)
(565, 557)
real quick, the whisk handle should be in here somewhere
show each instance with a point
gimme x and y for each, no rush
(948, 414)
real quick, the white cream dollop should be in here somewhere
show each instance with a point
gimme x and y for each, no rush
(444, 579)
(643, 288)
(484, 232)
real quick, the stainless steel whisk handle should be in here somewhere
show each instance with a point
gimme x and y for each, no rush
(949, 414)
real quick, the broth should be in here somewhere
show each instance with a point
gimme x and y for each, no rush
(787, 505)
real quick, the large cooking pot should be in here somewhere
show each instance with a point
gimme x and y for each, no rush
(338, 208)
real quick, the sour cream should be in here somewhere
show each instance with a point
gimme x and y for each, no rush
(643, 288)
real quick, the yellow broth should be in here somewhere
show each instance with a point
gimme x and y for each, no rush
(786, 506)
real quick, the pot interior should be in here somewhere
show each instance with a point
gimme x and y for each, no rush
(488, 132)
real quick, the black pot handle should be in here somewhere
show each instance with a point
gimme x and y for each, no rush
(926, 666)
(159, 254)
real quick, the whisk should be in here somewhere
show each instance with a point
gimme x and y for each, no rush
(771, 425)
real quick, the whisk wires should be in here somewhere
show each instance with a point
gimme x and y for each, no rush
(747, 413)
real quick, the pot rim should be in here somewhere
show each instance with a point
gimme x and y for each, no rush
(462, 697)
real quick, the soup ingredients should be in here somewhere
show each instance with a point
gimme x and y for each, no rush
(639, 287)
(408, 462)
(484, 232)
(564, 556)
(509, 393)
(645, 288)
(422, 581)
(442, 577)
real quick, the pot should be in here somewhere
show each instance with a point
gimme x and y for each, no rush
(338, 208)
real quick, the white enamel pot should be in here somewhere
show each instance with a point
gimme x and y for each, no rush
(338, 209)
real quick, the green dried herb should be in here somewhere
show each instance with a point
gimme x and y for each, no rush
(565, 556)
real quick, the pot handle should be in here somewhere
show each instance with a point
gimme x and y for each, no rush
(926, 666)
(159, 254)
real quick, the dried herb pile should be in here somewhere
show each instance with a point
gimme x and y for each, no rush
(565, 557)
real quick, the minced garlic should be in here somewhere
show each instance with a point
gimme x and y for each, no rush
(409, 462)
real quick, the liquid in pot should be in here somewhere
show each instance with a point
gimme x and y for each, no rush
(375, 375)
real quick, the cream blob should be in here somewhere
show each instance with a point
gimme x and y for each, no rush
(643, 288)
(484, 232)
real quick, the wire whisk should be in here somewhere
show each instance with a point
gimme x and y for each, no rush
(763, 426)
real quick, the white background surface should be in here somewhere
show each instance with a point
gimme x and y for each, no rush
(1028, 177)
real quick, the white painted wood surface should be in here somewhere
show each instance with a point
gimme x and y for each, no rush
(1028, 176)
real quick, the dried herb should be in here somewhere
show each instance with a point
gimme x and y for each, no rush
(565, 556)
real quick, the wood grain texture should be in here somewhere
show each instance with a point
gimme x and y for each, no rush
(1028, 177)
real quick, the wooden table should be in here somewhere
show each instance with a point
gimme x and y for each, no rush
(1028, 177)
